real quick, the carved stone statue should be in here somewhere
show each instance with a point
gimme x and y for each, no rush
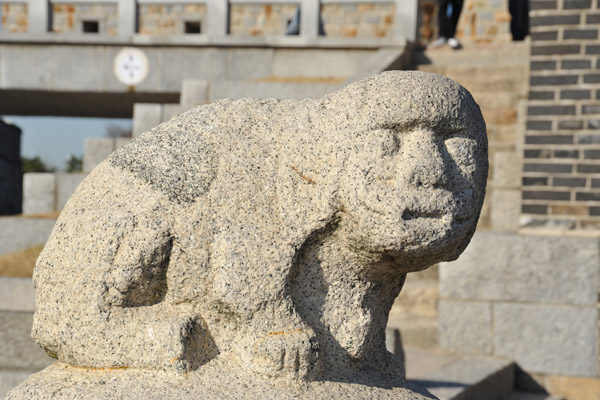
(254, 248)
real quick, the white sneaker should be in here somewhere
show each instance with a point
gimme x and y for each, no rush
(454, 43)
(438, 43)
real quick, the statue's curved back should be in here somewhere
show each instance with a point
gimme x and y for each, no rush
(272, 235)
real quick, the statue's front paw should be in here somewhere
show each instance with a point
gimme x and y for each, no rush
(292, 353)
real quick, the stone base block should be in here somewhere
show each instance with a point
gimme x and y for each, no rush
(212, 381)
(534, 269)
(548, 339)
(465, 327)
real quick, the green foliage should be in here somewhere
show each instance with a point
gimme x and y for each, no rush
(34, 164)
(74, 164)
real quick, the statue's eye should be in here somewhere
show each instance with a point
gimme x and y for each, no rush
(461, 149)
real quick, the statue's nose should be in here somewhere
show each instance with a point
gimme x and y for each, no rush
(422, 160)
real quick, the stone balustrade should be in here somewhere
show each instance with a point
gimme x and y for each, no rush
(370, 19)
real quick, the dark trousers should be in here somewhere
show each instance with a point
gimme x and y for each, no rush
(519, 23)
(448, 23)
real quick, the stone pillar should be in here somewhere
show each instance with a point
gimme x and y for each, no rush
(146, 117)
(309, 18)
(39, 16)
(127, 17)
(217, 17)
(406, 19)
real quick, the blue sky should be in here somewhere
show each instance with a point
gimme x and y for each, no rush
(53, 139)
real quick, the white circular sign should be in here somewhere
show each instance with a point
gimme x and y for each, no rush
(131, 66)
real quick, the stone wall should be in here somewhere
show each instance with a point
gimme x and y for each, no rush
(260, 19)
(358, 19)
(14, 17)
(82, 17)
(481, 21)
(47, 192)
(532, 299)
(561, 171)
(169, 19)
(10, 169)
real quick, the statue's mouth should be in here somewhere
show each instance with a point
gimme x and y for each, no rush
(408, 215)
(458, 216)
(440, 205)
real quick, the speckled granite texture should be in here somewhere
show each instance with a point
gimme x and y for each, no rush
(254, 248)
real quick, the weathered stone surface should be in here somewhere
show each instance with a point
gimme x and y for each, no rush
(254, 248)
(540, 269)
(465, 326)
(551, 339)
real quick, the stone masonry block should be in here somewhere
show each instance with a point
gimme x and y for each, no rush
(171, 110)
(145, 117)
(120, 142)
(193, 92)
(18, 351)
(95, 151)
(38, 193)
(548, 338)
(465, 327)
(507, 171)
(65, 186)
(17, 233)
(505, 208)
(504, 266)
(17, 294)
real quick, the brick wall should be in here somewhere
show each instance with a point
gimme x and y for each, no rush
(168, 19)
(70, 18)
(260, 19)
(14, 17)
(358, 19)
(561, 169)
(10, 169)
(481, 21)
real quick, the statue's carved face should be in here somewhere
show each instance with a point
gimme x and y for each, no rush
(415, 189)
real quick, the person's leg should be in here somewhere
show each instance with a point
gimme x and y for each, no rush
(456, 10)
(519, 23)
(444, 22)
